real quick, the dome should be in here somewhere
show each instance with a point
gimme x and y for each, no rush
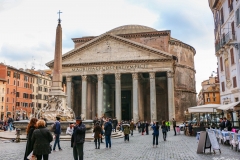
(131, 29)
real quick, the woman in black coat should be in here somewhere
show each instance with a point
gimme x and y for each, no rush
(41, 139)
(30, 128)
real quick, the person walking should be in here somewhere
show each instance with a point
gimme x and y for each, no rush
(164, 130)
(143, 127)
(131, 127)
(115, 123)
(155, 128)
(126, 131)
(168, 125)
(139, 126)
(29, 131)
(174, 126)
(57, 133)
(78, 139)
(97, 135)
(41, 139)
(147, 126)
(10, 123)
(108, 131)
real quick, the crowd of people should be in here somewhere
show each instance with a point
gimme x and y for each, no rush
(39, 138)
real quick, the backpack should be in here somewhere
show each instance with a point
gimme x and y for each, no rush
(53, 127)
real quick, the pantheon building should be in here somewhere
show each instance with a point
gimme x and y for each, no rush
(130, 72)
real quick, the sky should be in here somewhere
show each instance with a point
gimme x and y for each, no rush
(28, 27)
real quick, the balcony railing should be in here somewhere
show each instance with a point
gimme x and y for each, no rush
(230, 36)
(227, 38)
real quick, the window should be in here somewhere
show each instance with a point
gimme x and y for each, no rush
(14, 82)
(2, 99)
(39, 81)
(15, 75)
(232, 56)
(221, 64)
(18, 83)
(45, 90)
(233, 30)
(208, 94)
(230, 5)
(17, 104)
(222, 16)
(213, 94)
(18, 76)
(17, 94)
(223, 87)
(208, 99)
(7, 99)
(7, 90)
(39, 96)
(13, 100)
(8, 81)
(9, 73)
(236, 99)
(214, 99)
(25, 78)
(40, 88)
(234, 82)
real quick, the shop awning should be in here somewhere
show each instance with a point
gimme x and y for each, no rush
(229, 106)
(208, 108)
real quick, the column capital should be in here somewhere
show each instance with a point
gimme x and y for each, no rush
(100, 77)
(118, 76)
(135, 76)
(170, 74)
(152, 75)
(84, 77)
(69, 79)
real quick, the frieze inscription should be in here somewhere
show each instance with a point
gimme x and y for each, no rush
(106, 68)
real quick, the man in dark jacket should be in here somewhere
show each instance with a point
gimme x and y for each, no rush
(228, 124)
(222, 124)
(108, 131)
(174, 126)
(57, 133)
(147, 125)
(143, 127)
(78, 139)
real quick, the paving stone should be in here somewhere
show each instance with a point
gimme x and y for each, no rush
(139, 147)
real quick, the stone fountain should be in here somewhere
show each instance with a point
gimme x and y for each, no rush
(56, 104)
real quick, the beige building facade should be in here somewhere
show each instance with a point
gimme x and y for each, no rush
(131, 72)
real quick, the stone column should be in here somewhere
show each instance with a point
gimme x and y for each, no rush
(171, 106)
(135, 97)
(69, 92)
(89, 98)
(93, 99)
(118, 107)
(84, 96)
(100, 95)
(153, 107)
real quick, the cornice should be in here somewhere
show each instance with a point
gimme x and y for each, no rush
(184, 45)
(83, 39)
(185, 66)
(185, 90)
(116, 62)
(146, 34)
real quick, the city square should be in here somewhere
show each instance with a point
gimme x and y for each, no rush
(69, 80)
(140, 147)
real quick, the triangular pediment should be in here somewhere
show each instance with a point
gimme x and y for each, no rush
(111, 48)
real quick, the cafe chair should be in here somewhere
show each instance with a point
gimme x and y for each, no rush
(221, 138)
(231, 141)
(235, 142)
(217, 136)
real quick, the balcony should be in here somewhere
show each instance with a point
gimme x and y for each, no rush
(230, 36)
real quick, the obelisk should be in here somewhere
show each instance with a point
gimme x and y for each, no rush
(56, 88)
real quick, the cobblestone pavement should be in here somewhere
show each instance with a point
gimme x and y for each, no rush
(140, 147)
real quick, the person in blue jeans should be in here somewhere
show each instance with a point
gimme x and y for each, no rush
(108, 132)
(155, 128)
(10, 121)
(57, 133)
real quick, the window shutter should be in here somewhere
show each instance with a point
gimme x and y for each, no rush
(221, 64)
(237, 16)
(232, 56)
(222, 18)
(223, 87)
(234, 82)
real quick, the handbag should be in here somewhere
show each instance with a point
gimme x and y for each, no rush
(100, 136)
(31, 156)
(50, 146)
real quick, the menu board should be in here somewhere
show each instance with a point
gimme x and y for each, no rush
(213, 140)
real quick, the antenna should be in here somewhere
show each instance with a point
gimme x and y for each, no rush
(33, 63)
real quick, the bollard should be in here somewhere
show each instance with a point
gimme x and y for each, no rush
(18, 133)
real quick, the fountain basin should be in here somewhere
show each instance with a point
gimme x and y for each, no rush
(64, 124)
